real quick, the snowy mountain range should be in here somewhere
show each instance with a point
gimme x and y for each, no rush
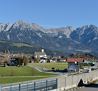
(66, 39)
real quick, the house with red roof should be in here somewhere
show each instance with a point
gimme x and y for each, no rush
(73, 64)
(74, 60)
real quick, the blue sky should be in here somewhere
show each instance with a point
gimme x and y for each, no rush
(50, 13)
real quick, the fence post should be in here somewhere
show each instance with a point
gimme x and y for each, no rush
(11, 87)
(0, 88)
(19, 86)
(46, 85)
(34, 86)
(56, 83)
(27, 86)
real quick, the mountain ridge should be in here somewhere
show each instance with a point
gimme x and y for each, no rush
(65, 39)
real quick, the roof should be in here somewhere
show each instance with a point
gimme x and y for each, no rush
(74, 60)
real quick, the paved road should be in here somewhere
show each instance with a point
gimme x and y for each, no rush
(87, 89)
(40, 69)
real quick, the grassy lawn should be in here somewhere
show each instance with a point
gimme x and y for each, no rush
(16, 71)
(21, 71)
(5, 80)
(60, 66)
(14, 74)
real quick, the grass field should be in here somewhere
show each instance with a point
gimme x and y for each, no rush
(5, 80)
(21, 71)
(16, 71)
(60, 66)
(16, 74)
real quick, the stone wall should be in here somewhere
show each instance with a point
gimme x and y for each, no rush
(71, 81)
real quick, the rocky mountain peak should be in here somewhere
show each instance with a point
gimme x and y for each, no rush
(65, 30)
(82, 38)
(38, 27)
(22, 25)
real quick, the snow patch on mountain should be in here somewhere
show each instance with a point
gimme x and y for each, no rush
(8, 37)
(8, 27)
(95, 38)
(60, 37)
(39, 35)
(2, 27)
